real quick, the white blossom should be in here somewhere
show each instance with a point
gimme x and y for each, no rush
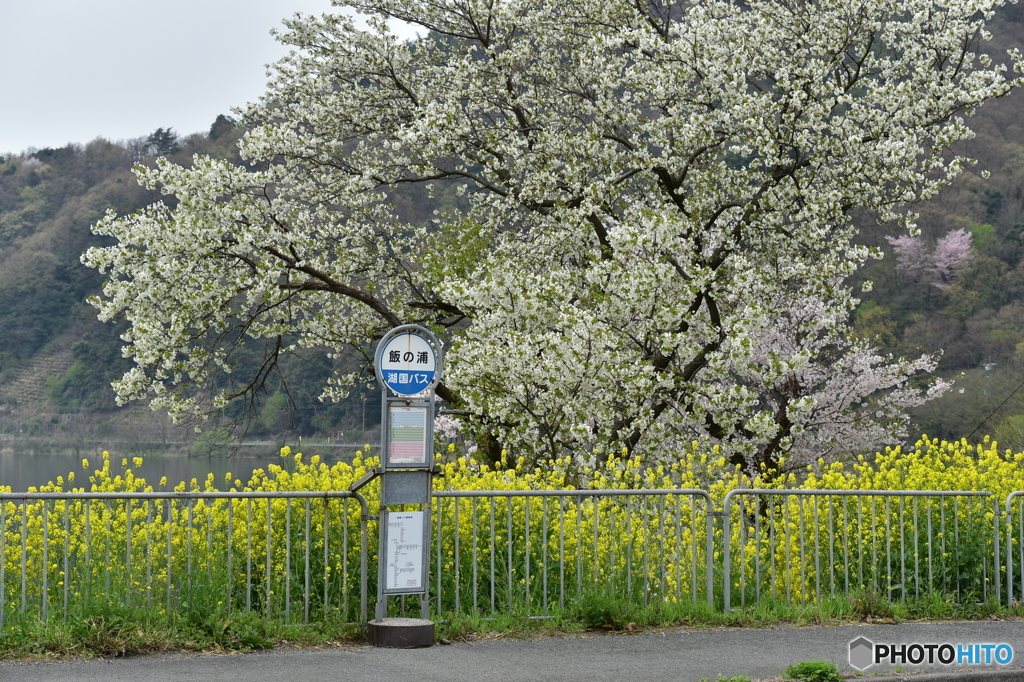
(651, 190)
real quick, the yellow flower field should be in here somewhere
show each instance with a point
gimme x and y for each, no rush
(498, 549)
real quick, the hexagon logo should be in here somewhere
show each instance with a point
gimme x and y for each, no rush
(862, 652)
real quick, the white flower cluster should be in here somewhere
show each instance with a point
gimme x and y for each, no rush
(654, 197)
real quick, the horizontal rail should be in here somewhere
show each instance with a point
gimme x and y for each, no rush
(857, 493)
(252, 495)
(206, 495)
(615, 492)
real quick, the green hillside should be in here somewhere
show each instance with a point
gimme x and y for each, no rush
(57, 361)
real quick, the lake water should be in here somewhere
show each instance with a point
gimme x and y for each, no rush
(20, 470)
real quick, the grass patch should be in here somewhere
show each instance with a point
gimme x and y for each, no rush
(114, 632)
(608, 612)
(110, 631)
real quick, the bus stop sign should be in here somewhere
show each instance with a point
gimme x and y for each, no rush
(407, 362)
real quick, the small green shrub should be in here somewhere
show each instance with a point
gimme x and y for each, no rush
(871, 604)
(602, 609)
(813, 671)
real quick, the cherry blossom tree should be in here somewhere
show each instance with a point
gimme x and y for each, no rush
(913, 261)
(939, 267)
(857, 399)
(647, 190)
(952, 255)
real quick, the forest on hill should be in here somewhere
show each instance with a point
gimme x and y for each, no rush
(958, 290)
(58, 360)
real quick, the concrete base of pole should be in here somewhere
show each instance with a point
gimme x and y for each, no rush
(400, 633)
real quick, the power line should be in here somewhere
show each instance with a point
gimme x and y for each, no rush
(995, 410)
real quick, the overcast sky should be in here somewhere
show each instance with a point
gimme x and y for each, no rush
(71, 71)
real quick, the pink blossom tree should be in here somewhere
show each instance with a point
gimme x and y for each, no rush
(831, 395)
(916, 265)
(952, 254)
(912, 258)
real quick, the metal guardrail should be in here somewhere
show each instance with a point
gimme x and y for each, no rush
(775, 528)
(175, 549)
(536, 549)
(527, 551)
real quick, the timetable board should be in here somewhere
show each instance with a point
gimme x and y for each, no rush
(405, 551)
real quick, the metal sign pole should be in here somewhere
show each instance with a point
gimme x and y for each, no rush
(408, 363)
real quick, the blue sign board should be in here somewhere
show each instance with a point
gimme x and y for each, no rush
(407, 363)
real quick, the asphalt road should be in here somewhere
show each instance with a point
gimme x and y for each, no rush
(677, 654)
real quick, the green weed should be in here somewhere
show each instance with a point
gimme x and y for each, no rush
(813, 671)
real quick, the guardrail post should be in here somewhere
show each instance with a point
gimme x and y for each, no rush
(709, 569)
(995, 540)
(364, 519)
(1009, 545)
(1009, 553)
(726, 553)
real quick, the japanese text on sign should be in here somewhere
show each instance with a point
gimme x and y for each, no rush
(403, 546)
(408, 364)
